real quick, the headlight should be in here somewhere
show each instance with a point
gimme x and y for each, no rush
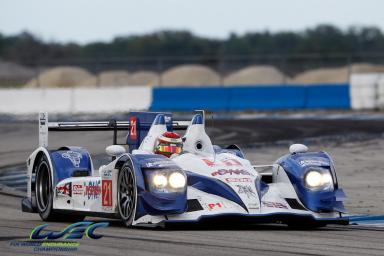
(159, 180)
(177, 180)
(166, 180)
(315, 179)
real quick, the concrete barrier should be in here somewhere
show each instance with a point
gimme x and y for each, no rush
(320, 96)
(122, 99)
(236, 98)
(190, 98)
(367, 91)
(267, 97)
(75, 100)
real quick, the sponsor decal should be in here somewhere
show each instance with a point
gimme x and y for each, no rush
(159, 164)
(167, 119)
(247, 190)
(74, 157)
(238, 180)
(274, 205)
(64, 190)
(107, 173)
(43, 129)
(106, 191)
(43, 118)
(225, 162)
(77, 189)
(92, 190)
(313, 162)
(213, 206)
(230, 172)
(133, 129)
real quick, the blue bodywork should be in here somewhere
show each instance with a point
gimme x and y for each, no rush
(297, 165)
(215, 187)
(143, 122)
(153, 202)
(67, 160)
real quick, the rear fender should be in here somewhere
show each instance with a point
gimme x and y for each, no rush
(70, 162)
(62, 163)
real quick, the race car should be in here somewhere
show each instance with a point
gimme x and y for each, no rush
(197, 182)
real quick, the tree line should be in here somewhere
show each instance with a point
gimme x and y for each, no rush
(26, 48)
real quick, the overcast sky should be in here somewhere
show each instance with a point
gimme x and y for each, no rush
(90, 20)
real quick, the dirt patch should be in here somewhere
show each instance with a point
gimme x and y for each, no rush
(252, 75)
(62, 77)
(194, 75)
(322, 75)
(144, 78)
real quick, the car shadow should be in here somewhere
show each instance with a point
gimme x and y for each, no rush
(220, 226)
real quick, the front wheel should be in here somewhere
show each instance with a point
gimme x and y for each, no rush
(127, 194)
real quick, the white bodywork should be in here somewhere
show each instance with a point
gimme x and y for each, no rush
(98, 193)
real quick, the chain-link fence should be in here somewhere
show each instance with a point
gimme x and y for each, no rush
(258, 69)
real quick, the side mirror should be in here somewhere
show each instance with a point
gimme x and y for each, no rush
(115, 150)
(298, 148)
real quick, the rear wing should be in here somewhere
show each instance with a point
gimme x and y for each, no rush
(137, 127)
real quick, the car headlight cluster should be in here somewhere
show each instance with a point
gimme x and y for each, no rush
(318, 179)
(166, 180)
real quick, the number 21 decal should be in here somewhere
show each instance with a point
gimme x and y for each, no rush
(106, 187)
(133, 130)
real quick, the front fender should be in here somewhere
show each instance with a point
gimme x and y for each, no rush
(296, 165)
(151, 202)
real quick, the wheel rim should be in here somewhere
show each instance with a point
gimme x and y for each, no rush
(43, 186)
(126, 195)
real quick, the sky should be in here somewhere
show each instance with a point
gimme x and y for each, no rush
(84, 21)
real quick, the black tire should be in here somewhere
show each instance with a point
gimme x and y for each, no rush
(127, 194)
(44, 194)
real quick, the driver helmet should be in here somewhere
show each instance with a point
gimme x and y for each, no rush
(169, 143)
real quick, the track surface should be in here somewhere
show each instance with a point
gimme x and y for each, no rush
(18, 140)
(250, 240)
(357, 176)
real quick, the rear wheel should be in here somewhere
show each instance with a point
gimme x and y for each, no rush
(127, 194)
(44, 194)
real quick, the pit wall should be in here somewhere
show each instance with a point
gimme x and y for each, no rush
(366, 91)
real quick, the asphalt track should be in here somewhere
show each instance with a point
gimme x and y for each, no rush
(17, 141)
(216, 240)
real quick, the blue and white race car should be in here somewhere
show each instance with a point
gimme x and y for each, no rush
(202, 183)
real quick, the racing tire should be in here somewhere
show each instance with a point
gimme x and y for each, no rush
(44, 194)
(127, 194)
